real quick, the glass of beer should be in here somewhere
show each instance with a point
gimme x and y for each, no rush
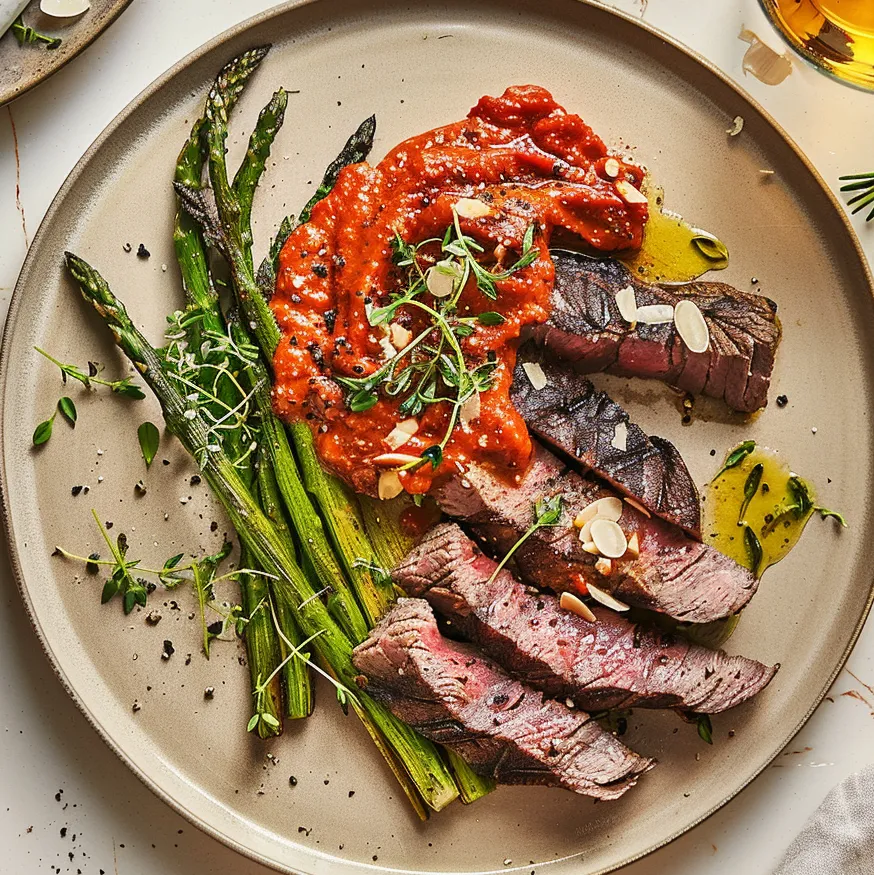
(835, 35)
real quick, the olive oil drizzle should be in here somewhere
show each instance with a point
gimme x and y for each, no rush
(673, 251)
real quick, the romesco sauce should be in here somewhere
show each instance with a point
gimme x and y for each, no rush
(529, 163)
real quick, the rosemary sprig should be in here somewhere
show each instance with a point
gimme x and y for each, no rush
(864, 184)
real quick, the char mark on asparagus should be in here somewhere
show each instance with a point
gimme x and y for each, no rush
(453, 695)
(583, 424)
(673, 574)
(611, 663)
(586, 328)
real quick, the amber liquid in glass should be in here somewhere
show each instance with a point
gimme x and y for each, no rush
(836, 35)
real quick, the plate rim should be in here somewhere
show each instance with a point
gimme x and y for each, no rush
(8, 99)
(144, 95)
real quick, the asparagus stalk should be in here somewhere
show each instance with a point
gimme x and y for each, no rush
(424, 768)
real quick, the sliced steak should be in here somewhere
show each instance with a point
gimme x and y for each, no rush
(611, 663)
(572, 417)
(585, 327)
(453, 695)
(673, 574)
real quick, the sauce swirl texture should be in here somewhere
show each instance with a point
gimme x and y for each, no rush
(530, 163)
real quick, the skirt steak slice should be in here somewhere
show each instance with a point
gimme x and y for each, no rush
(585, 327)
(611, 663)
(453, 695)
(574, 419)
(673, 575)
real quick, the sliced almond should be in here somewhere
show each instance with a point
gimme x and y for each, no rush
(638, 506)
(401, 433)
(64, 8)
(599, 595)
(611, 168)
(389, 485)
(604, 566)
(400, 336)
(535, 375)
(570, 602)
(471, 208)
(633, 550)
(609, 538)
(620, 437)
(609, 508)
(590, 547)
(629, 193)
(441, 278)
(470, 410)
(692, 326)
(655, 314)
(626, 301)
(736, 126)
(394, 460)
(388, 350)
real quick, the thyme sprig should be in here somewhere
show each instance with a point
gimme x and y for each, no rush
(27, 35)
(125, 386)
(547, 512)
(433, 367)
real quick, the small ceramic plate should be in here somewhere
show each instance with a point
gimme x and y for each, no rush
(24, 67)
(417, 65)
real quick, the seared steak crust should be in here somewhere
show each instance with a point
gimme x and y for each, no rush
(673, 575)
(586, 328)
(572, 417)
(453, 695)
(611, 663)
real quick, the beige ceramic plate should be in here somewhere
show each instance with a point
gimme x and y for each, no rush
(417, 65)
(24, 67)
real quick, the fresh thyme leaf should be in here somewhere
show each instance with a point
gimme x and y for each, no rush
(803, 503)
(754, 548)
(362, 401)
(68, 409)
(43, 431)
(253, 722)
(128, 389)
(705, 728)
(434, 455)
(736, 456)
(110, 588)
(149, 438)
(751, 487)
(825, 513)
(490, 318)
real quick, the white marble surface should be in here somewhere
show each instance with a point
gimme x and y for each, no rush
(66, 803)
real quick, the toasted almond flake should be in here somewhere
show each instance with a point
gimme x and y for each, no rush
(64, 8)
(629, 193)
(737, 126)
(767, 172)
(611, 168)
(604, 566)
(609, 508)
(620, 437)
(389, 485)
(590, 547)
(570, 602)
(401, 433)
(471, 208)
(470, 410)
(626, 301)
(400, 336)
(609, 538)
(633, 550)
(394, 460)
(388, 350)
(441, 278)
(692, 326)
(599, 595)
(655, 314)
(637, 506)
(535, 375)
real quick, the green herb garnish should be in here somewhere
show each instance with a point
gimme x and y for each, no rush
(864, 184)
(751, 487)
(736, 456)
(705, 728)
(547, 512)
(149, 438)
(27, 35)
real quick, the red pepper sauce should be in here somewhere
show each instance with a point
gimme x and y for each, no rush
(530, 163)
